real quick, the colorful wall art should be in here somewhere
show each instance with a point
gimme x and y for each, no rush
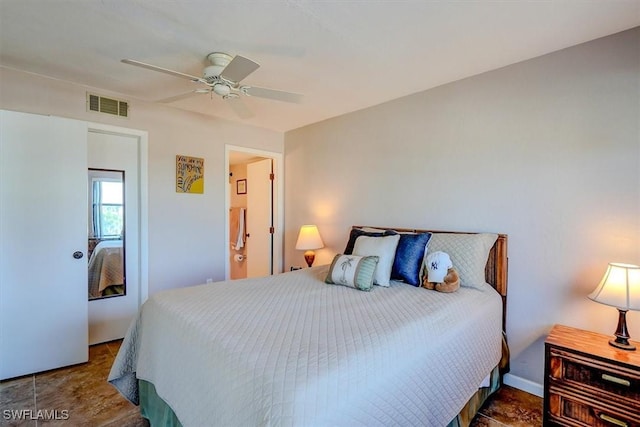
(189, 174)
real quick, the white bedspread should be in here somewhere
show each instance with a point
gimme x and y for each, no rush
(291, 350)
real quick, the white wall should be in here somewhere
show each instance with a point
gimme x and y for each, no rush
(547, 151)
(186, 231)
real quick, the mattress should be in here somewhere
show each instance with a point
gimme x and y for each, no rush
(292, 350)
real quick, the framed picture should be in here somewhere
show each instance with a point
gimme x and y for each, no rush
(241, 186)
(189, 174)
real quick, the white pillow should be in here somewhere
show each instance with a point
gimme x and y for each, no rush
(468, 252)
(384, 248)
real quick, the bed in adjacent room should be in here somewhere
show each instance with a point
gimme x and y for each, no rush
(291, 349)
(106, 269)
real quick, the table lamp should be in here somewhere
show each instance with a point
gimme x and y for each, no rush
(620, 288)
(308, 240)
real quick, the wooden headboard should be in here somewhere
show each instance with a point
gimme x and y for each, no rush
(495, 270)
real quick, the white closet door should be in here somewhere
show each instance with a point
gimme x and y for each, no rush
(43, 221)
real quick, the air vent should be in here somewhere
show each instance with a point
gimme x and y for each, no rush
(106, 105)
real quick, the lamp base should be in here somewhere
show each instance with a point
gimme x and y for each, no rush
(309, 256)
(625, 345)
(622, 334)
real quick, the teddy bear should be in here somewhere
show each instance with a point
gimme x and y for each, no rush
(441, 275)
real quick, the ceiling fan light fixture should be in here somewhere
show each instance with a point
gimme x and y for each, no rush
(221, 89)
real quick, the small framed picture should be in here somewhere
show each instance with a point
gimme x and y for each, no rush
(241, 186)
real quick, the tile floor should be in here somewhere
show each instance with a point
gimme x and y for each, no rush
(83, 392)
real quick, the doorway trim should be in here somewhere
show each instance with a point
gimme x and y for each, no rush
(143, 198)
(279, 223)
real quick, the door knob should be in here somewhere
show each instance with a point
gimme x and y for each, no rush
(78, 254)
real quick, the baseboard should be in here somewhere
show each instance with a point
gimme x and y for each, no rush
(524, 385)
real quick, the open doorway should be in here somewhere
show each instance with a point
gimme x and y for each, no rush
(254, 212)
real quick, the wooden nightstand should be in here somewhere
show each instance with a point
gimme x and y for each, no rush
(587, 382)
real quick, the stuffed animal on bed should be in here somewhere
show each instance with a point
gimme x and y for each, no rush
(441, 276)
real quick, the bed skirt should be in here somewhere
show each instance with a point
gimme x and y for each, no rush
(153, 408)
(158, 412)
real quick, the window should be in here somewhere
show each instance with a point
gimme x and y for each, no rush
(107, 211)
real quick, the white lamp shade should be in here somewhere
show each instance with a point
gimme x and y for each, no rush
(309, 238)
(620, 287)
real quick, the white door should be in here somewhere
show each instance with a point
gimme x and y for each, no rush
(43, 223)
(259, 218)
(110, 317)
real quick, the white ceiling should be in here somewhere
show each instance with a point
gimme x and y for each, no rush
(341, 55)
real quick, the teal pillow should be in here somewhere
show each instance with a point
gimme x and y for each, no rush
(353, 271)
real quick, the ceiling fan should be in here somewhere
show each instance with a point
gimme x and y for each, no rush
(223, 78)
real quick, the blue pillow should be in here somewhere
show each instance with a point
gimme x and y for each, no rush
(356, 232)
(409, 256)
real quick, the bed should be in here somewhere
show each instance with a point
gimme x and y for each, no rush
(291, 349)
(106, 268)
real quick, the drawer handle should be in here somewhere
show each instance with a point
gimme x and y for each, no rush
(612, 420)
(616, 380)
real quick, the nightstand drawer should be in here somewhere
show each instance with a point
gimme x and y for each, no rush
(566, 409)
(593, 376)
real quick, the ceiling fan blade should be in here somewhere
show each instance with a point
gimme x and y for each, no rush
(277, 95)
(162, 70)
(239, 68)
(182, 96)
(239, 107)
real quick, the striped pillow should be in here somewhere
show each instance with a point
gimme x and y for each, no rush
(352, 271)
